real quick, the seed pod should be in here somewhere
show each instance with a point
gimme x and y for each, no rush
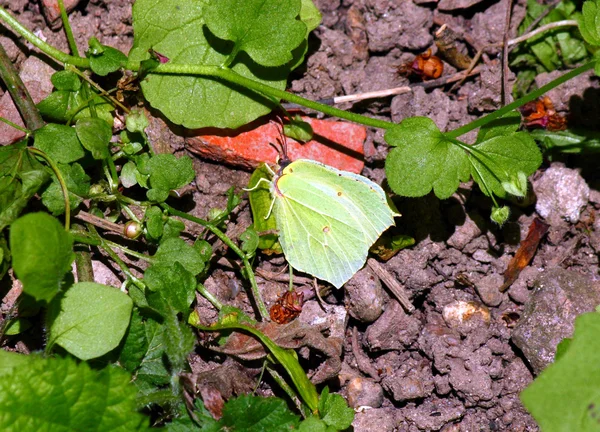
(132, 230)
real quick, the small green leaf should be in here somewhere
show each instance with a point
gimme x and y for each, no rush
(17, 326)
(500, 215)
(21, 176)
(249, 240)
(335, 411)
(260, 202)
(174, 285)
(104, 59)
(89, 320)
(298, 129)
(310, 15)
(153, 368)
(95, 135)
(423, 159)
(258, 414)
(59, 394)
(168, 173)
(204, 249)
(154, 222)
(135, 344)
(59, 142)
(129, 174)
(313, 424)
(175, 250)
(253, 26)
(66, 80)
(136, 121)
(565, 395)
(34, 238)
(78, 185)
(501, 158)
(578, 141)
(589, 22)
(505, 125)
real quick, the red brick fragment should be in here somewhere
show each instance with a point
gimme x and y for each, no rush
(52, 11)
(335, 143)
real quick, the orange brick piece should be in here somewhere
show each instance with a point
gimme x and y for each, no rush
(335, 143)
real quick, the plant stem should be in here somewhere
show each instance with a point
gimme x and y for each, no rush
(20, 96)
(264, 313)
(83, 259)
(519, 102)
(16, 126)
(67, 27)
(233, 77)
(61, 182)
(40, 44)
(208, 296)
(128, 251)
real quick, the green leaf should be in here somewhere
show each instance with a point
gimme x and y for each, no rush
(154, 222)
(565, 396)
(589, 22)
(135, 344)
(78, 185)
(168, 173)
(258, 414)
(95, 135)
(204, 249)
(66, 80)
(89, 320)
(175, 250)
(423, 159)
(136, 121)
(16, 326)
(505, 125)
(253, 26)
(249, 239)
(578, 141)
(167, 27)
(298, 129)
(313, 424)
(104, 59)
(260, 203)
(59, 142)
(153, 368)
(287, 358)
(34, 238)
(310, 15)
(59, 394)
(335, 411)
(173, 284)
(65, 106)
(129, 174)
(501, 158)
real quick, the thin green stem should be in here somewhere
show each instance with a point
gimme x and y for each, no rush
(235, 78)
(128, 251)
(264, 313)
(114, 177)
(27, 132)
(67, 27)
(40, 44)
(61, 182)
(519, 102)
(209, 296)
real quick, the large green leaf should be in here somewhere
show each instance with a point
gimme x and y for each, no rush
(59, 394)
(42, 253)
(89, 320)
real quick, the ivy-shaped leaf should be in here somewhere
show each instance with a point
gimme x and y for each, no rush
(95, 135)
(168, 173)
(177, 30)
(424, 159)
(59, 142)
(253, 25)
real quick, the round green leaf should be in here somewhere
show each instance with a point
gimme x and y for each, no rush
(59, 142)
(95, 135)
(89, 320)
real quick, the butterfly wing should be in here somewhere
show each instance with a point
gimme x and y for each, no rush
(327, 219)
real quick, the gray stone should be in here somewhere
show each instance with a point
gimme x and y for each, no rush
(558, 298)
(393, 330)
(561, 194)
(488, 289)
(365, 297)
(364, 392)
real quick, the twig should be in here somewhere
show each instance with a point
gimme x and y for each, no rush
(542, 29)
(100, 223)
(362, 361)
(543, 15)
(393, 285)
(20, 96)
(505, 91)
(281, 277)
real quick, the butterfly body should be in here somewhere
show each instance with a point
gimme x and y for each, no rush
(327, 219)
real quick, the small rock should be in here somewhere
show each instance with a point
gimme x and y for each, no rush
(412, 380)
(561, 194)
(384, 418)
(450, 5)
(559, 297)
(446, 410)
(364, 392)
(466, 232)
(488, 289)
(393, 330)
(466, 316)
(250, 148)
(365, 297)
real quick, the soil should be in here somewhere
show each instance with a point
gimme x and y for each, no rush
(459, 361)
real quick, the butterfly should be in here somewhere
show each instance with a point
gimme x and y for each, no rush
(327, 219)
